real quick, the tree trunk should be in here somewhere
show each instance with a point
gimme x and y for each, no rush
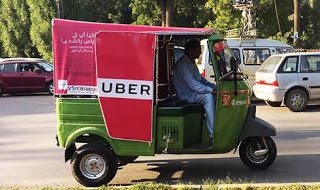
(163, 5)
(169, 13)
(296, 24)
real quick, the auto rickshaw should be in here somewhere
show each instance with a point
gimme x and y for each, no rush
(115, 100)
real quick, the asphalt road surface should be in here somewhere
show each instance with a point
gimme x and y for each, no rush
(29, 156)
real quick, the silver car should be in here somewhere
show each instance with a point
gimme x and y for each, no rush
(292, 78)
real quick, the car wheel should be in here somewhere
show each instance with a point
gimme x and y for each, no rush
(50, 87)
(296, 100)
(273, 104)
(258, 152)
(1, 90)
(94, 165)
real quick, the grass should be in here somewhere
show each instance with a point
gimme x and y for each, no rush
(227, 184)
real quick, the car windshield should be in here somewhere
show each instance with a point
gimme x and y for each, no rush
(269, 65)
(285, 50)
(46, 66)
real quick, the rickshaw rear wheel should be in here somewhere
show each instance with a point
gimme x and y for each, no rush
(254, 153)
(94, 165)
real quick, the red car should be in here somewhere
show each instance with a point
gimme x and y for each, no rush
(25, 75)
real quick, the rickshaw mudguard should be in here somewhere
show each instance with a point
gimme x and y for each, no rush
(121, 148)
(256, 127)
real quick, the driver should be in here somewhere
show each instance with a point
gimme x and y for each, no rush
(191, 86)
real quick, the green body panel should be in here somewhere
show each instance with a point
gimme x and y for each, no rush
(181, 124)
(76, 117)
(215, 37)
(230, 120)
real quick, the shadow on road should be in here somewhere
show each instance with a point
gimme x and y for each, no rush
(26, 104)
(314, 106)
(286, 169)
(297, 134)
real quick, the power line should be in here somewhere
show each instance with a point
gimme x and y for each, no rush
(276, 10)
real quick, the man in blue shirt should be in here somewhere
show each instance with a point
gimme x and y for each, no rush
(191, 86)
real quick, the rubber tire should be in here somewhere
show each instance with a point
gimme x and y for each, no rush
(104, 152)
(1, 90)
(251, 142)
(273, 104)
(123, 160)
(289, 96)
(48, 87)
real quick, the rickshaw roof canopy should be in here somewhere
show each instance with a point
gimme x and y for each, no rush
(135, 28)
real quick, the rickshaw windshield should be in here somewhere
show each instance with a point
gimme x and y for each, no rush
(225, 57)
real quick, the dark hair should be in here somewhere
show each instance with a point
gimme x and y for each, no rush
(191, 44)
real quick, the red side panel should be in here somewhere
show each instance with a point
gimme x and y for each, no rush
(74, 52)
(74, 68)
(125, 83)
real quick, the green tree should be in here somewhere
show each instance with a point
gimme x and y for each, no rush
(41, 14)
(146, 12)
(122, 12)
(267, 18)
(98, 10)
(186, 13)
(14, 25)
(192, 14)
(1, 45)
(309, 24)
(226, 16)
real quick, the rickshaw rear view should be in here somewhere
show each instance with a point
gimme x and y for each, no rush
(116, 100)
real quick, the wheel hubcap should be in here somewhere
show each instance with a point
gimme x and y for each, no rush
(51, 88)
(297, 100)
(256, 153)
(93, 166)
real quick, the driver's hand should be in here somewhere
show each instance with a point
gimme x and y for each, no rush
(214, 91)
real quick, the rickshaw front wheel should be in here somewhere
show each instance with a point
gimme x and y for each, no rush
(258, 152)
(94, 165)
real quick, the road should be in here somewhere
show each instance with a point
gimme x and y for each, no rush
(29, 156)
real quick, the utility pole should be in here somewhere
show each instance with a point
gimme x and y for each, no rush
(248, 8)
(296, 24)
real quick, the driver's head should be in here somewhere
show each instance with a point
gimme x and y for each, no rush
(193, 49)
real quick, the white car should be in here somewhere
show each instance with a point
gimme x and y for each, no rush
(293, 78)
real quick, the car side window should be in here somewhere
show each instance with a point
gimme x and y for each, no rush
(289, 65)
(26, 67)
(255, 56)
(310, 64)
(10, 67)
